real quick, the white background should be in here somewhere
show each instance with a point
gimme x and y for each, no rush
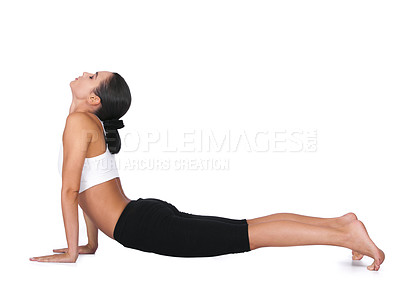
(327, 66)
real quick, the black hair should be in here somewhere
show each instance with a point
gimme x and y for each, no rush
(115, 98)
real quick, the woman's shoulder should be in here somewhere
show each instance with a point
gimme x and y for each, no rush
(81, 119)
(80, 116)
(81, 122)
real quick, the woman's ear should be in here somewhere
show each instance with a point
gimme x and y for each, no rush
(94, 99)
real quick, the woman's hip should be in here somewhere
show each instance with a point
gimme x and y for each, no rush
(154, 225)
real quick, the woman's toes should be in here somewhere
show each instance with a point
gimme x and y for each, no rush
(356, 255)
(377, 261)
(374, 267)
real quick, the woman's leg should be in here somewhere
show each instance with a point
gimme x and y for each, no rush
(331, 222)
(283, 233)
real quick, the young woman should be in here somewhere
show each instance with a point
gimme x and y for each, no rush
(90, 178)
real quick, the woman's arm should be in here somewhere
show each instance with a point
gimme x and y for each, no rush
(77, 136)
(92, 233)
(76, 139)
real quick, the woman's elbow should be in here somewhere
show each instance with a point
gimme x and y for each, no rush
(69, 193)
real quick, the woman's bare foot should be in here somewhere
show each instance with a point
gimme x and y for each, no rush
(344, 220)
(362, 244)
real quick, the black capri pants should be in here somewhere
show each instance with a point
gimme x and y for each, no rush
(154, 225)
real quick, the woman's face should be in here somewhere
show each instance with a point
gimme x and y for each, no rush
(83, 86)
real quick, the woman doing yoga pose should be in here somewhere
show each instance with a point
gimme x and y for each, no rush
(90, 179)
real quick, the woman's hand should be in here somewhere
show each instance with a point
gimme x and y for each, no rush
(60, 258)
(65, 257)
(87, 249)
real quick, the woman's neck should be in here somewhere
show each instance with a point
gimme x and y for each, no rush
(76, 108)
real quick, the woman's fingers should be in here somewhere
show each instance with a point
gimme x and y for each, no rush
(41, 258)
(62, 258)
(81, 250)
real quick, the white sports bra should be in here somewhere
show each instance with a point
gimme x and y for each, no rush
(96, 169)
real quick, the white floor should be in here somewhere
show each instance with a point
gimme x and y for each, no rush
(115, 272)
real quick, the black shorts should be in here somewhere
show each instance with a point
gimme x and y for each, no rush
(154, 225)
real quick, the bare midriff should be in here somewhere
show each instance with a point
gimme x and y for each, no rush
(104, 203)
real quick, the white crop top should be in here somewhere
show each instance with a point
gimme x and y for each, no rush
(96, 169)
